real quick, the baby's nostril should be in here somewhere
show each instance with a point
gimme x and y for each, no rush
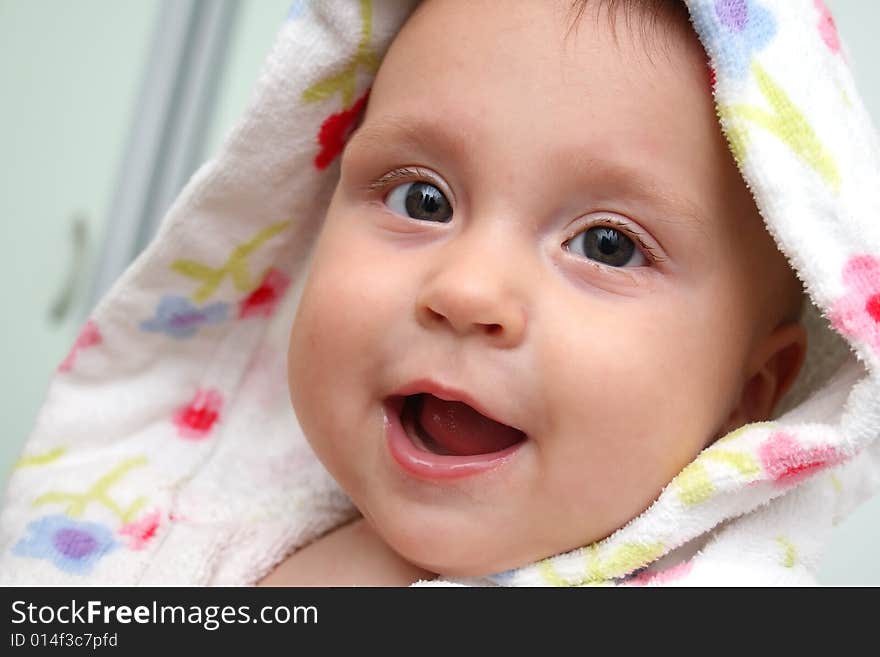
(493, 329)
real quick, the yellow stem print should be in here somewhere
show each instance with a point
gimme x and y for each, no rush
(787, 122)
(745, 464)
(598, 571)
(235, 266)
(40, 459)
(628, 557)
(789, 553)
(835, 482)
(694, 485)
(548, 572)
(98, 493)
(345, 82)
(843, 95)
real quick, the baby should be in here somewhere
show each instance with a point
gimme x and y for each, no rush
(542, 287)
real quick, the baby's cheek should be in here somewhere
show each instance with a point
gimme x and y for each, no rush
(641, 386)
(321, 346)
(324, 331)
(349, 306)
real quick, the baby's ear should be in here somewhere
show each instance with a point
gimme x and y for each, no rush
(773, 368)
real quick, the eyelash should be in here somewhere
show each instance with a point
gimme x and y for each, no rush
(405, 174)
(415, 174)
(650, 253)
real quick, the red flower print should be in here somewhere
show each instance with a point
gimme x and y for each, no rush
(195, 420)
(88, 336)
(857, 313)
(263, 300)
(787, 462)
(139, 532)
(336, 130)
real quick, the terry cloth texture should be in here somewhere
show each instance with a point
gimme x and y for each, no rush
(166, 451)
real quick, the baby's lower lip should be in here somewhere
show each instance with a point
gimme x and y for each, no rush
(427, 465)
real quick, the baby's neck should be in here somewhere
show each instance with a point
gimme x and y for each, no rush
(352, 555)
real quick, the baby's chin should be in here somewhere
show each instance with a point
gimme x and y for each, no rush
(461, 551)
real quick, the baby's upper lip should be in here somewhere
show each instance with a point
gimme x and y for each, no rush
(451, 393)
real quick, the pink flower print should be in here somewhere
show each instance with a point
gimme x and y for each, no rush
(139, 532)
(827, 28)
(263, 300)
(787, 462)
(195, 420)
(662, 577)
(88, 336)
(857, 313)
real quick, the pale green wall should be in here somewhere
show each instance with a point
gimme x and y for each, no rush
(69, 74)
(857, 22)
(257, 23)
(851, 558)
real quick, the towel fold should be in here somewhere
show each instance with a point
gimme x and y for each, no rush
(166, 451)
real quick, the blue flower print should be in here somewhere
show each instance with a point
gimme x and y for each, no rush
(746, 27)
(504, 578)
(179, 318)
(73, 546)
(297, 9)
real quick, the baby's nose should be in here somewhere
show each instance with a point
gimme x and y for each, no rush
(471, 289)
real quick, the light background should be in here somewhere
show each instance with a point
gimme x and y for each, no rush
(70, 72)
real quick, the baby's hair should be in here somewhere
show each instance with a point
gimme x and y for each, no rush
(652, 14)
(651, 11)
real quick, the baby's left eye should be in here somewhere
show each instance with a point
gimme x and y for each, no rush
(608, 246)
(420, 200)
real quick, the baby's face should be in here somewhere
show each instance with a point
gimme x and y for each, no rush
(551, 230)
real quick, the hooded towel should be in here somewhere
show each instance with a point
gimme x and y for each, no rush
(167, 452)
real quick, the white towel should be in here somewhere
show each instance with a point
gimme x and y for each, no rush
(166, 451)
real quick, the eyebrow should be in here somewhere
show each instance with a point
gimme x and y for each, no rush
(414, 132)
(634, 182)
(624, 178)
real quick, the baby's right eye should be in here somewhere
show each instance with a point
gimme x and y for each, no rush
(419, 200)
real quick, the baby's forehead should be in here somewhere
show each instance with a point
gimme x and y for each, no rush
(653, 23)
(525, 78)
(591, 106)
(509, 76)
(647, 30)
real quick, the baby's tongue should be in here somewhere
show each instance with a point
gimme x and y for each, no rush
(463, 431)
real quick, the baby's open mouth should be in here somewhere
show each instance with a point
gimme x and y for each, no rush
(453, 428)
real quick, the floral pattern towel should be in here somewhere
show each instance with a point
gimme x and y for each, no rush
(166, 451)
